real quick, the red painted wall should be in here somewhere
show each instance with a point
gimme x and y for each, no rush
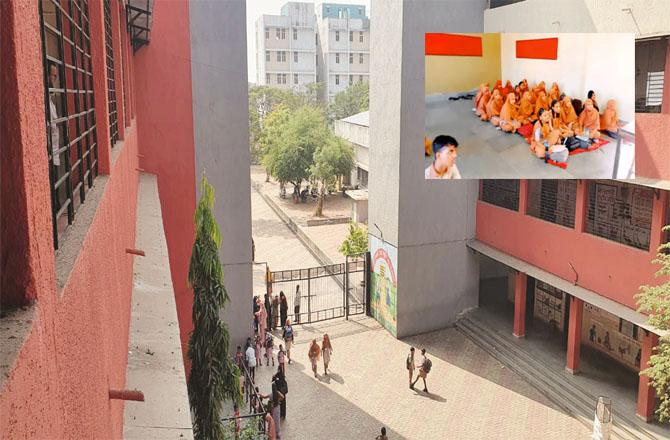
(77, 345)
(611, 269)
(162, 78)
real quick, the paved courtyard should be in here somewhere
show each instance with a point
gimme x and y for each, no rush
(472, 396)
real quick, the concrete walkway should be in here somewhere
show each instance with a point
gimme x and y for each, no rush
(155, 364)
(472, 396)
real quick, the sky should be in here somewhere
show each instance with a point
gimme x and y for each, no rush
(256, 8)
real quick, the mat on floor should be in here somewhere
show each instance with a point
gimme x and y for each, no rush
(597, 143)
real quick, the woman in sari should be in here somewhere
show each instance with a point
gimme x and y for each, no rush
(326, 351)
(589, 120)
(314, 354)
(509, 122)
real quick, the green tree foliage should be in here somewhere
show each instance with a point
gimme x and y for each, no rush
(655, 302)
(249, 431)
(356, 242)
(334, 158)
(214, 376)
(291, 155)
(354, 99)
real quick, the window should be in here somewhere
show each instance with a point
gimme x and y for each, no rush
(279, 78)
(620, 212)
(337, 80)
(501, 192)
(111, 89)
(283, 33)
(351, 35)
(649, 74)
(278, 33)
(362, 177)
(267, 33)
(360, 78)
(351, 58)
(360, 58)
(267, 55)
(553, 200)
(337, 58)
(72, 148)
(281, 56)
(360, 37)
(295, 57)
(295, 33)
(337, 35)
(267, 78)
(295, 78)
(278, 56)
(351, 79)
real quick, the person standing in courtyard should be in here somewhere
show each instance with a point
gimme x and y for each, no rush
(409, 363)
(281, 358)
(296, 304)
(268, 310)
(424, 369)
(288, 336)
(262, 318)
(283, 309)
(326, 351)
(269, 348)
(314, 354)
(251, 361)
(275, 312)
(280, 379)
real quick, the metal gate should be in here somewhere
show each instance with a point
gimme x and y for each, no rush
(324, 292)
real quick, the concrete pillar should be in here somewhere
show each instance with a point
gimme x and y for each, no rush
(646, 396)
(665, 108)
(520, 305)
(658, 220)
(426, 223)
(580, 205)
(574, 334)
(221, 134)
(523, 196)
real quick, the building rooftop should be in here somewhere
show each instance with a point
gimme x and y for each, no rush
(362, 119)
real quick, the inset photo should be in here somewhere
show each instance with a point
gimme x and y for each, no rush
(530, 106)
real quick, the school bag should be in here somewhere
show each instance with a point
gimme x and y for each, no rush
(427, 365)
(288, 333)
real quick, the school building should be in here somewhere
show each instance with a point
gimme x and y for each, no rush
(569, 253)
(100, 98)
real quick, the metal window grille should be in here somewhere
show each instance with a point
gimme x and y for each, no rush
(69, 107)
(295, 34)
(360, 58)
(650, 68)
(553, 201)
(337, 80)
(283, 33)
(620, 212)
(351, 58)
(501, 192)
(360, 37)
(351, 36)
(295, 57)
(337, 58)
(267, 55)
(111, 86)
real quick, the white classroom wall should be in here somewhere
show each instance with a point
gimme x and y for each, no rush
(604, 63)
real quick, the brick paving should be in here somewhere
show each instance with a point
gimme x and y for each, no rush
(472, 396)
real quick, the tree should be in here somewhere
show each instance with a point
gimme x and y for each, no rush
(354, 99)
(356, 242)
(214, 376)
(655, 302)
(273, 128)
(333, 159)
(291, 157)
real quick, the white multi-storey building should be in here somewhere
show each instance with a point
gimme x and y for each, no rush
(286, 47)
(301, 46)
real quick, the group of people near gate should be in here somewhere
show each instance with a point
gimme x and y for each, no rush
(552, 122)
(267, 316)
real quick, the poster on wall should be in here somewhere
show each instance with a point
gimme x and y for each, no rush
(383, 283)
(616, 337)
(549, 305)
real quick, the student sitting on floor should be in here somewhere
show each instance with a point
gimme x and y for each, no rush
(483, 87)
(444, 162)
(557, 120)
(609, 120)
(526, 110)
(555, 92)
(542, 102)
(568, 114)
(494, 107)
(589, 120)
(498, 86)
(509, 116)
(489, 110)
(507, 89)
(483, 102)
(592, 96)
(545, 143)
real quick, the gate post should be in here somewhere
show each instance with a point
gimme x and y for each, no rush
(309, 296)
(346, 287)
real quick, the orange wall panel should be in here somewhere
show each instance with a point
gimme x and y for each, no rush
(543, 49)
(453, 45)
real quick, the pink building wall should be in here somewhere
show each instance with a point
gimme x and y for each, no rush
(608, 268)
(77, 344)
(166, 138)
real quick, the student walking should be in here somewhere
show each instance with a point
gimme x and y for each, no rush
(258, 350)
(281, 358)
(425, 368)
(326, 351)
(269, 348)
(283, 309)
(296, 304)
(410, 365)
(314, 354)
(251, 362)
(288, 336)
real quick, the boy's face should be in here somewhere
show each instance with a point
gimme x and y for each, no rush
(446, 156)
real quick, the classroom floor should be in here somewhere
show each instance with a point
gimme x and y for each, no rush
(485, 152)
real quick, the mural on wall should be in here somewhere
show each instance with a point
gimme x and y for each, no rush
(383, 284)
(549, 304)
(620, 339)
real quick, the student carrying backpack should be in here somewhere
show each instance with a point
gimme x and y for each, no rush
(426, 366)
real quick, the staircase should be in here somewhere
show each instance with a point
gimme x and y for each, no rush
(570, 397)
